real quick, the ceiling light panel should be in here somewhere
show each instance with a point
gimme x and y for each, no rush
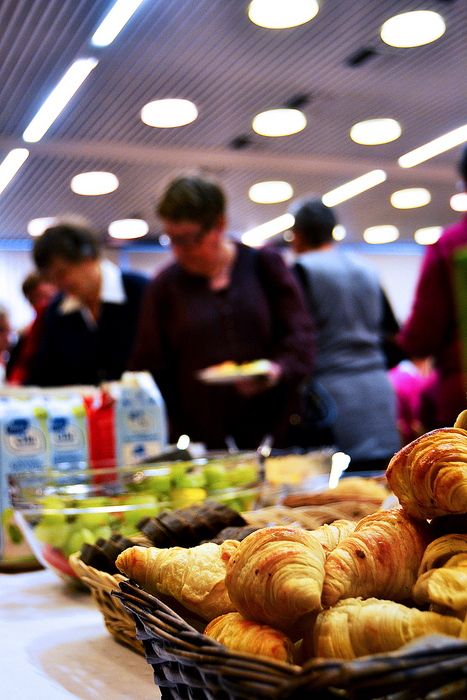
(169, 113)
(354, 187)
(428, 235)
(413, 29)
(381, 234)
(94, 183)
(434, 148)
(375, 131)
(279, 122)
(114, 21)
(410, 198)
(270, 192)
(280, 14)
(127, 229)
(458, 202)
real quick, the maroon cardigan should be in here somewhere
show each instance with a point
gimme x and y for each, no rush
(184, 327)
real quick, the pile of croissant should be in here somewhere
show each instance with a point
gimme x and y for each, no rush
(343, 590)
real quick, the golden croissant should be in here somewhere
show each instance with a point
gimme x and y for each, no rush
(445, 586)
(238, 634)
(440, 550)
(276, 575)
(331, 535)
(195, 577)
(380, 558)
(356, 627)
(429, 475)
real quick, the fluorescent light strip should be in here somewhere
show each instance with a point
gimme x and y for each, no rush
(434, 148)
(10, 166)
(114, 21)
(59, 98)
(354, 187)
(257, 235)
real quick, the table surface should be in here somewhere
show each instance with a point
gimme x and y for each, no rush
(54, 646)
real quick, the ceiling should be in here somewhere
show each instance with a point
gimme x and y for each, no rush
(208, 51)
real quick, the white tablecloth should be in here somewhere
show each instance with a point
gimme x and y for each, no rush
(54, 646)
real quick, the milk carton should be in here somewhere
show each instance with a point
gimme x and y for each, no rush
(67, 433)
(140, 420)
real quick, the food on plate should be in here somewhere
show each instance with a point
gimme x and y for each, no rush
(356, 627)
(276, 575)
(195, 577)
(380, 558)
(238, 634)
(429, 475)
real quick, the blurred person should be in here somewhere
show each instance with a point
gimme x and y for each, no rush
(89, 327)
(349, 309)
(410, 378)
(6, 337)
(437, 323)
(219, 301)
(39, 293)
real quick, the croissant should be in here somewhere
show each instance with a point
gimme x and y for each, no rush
(331, 535)
(445, 586)
(429, 475)
(380, 558)
(276, 576)
(440, 550)
(357, 627)
(238, 634)
(194, 577)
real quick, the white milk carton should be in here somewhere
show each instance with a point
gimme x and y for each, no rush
(67, 431)
(139, 417)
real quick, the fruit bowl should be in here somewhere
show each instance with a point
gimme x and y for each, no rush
(59, 511)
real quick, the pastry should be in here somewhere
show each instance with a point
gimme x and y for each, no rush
(195, 577)
(356, 627)
(380, 558)
(429, 475)
(238, 634)
(276, 575)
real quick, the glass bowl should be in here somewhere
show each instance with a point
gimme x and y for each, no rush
(58, 511)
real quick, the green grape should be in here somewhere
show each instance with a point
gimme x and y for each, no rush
(55, 505)
(55, 535)
(93, 519)
(148, 503)
(76, 540)
(243, 474)
(216, 477)
(182, 498)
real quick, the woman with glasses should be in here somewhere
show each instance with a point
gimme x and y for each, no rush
(221, 301)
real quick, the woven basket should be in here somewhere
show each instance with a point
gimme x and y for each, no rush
(117, 620)
(190, 666)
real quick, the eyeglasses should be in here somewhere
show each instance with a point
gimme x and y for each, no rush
(189, 241)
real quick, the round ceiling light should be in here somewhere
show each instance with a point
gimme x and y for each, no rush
(381, 234)
(94, 183)
(428, 235)
(128, 228)
(36, 227)
(279, 122)
(458, 202)
(339, 232)
(413, 29)
(270, 192)
(169, 113)
(410, 198)
(374, 131)
(280, 14)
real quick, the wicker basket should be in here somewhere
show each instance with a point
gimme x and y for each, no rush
(117, 620)
(190, 666)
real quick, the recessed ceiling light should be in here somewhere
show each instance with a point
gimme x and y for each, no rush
(434, 148)
(458, 202)
(169, 113)
(339, 232)
(128, 228)
(280, 14)
(94, 183)
(354, 187)
(256, 236)
(410, 198)
(413, 28)
(374, 131)
(270, 192)
(381, 234)
(428, 235)
(36, 227)
(279, 122)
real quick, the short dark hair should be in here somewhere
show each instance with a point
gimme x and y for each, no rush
(192, 198)
(315, 221)
(463, 165)
(71, 243)
(30, 282)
